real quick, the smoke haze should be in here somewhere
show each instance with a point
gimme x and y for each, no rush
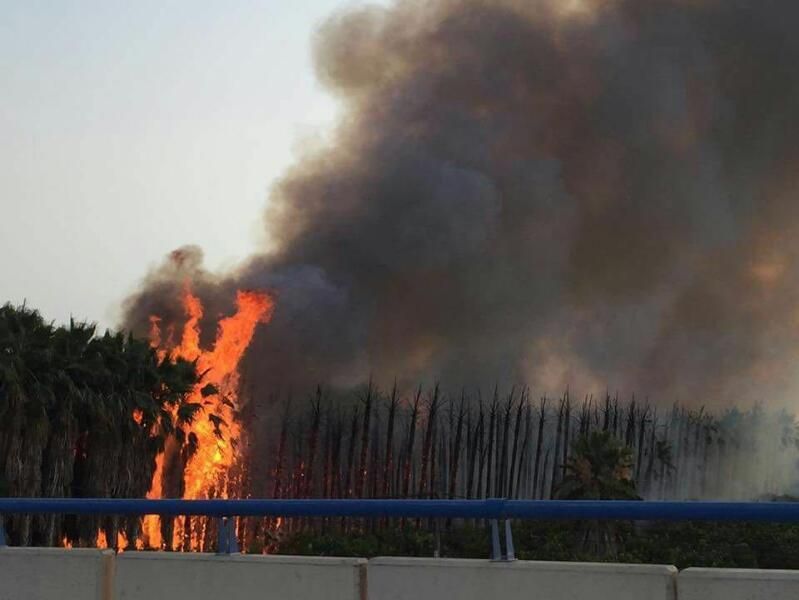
(598, 196)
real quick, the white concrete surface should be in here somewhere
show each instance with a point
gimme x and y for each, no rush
(177, 576)
(55, 574)
(738, 584)
(463, 579)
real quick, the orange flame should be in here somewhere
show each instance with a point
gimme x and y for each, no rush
(216, 426)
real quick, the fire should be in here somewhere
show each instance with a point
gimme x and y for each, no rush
(65, 543)
(102, 541)
(216, 426)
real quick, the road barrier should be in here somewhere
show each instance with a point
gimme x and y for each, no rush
(196, 576)
(56, 574)
(738, 584)
(435, 579)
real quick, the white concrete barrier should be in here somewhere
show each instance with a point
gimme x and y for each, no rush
(459, 579)
(151, 575)
(738, 584)
(55, 574)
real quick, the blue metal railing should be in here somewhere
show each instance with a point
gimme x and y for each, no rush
(494, 510)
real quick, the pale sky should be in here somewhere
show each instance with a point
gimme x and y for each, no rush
(129, 128)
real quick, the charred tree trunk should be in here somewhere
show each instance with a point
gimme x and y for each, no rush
(411, 442)
(492, 422)
(514, 453)
(427, 443)
(566, 436)
(389, 458)
(313, 439)
(365, 431)
(558, 434)
(455, 453)
(542, 415)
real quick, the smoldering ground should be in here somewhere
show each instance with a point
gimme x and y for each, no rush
(594, 194)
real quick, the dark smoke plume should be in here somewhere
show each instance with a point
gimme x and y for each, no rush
(598, 194)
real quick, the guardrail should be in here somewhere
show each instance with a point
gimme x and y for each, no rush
(492, 509)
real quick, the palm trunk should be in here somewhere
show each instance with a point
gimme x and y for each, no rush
(566, 437)
(539, 440)
(514, 456)
(313, 439)
(411, 442)
(456, 450)
(558, 433)
(387, 465)
(490, 449)
(365, 431)
(428, 440)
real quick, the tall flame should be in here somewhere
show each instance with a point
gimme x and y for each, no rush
(216, 427)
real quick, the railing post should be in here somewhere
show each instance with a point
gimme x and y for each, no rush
(226, 542)
(496, 551)
(510, 553)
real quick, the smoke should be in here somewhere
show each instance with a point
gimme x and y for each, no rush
(595, 194)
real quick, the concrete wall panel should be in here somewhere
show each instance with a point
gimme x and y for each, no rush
(178, 576)
(738, 584)
(55, 574)
(440, 579)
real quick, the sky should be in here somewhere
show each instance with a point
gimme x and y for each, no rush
(128, 129)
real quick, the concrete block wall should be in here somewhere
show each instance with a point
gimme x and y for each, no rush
(55, 574)
(149, 575)
(465, 579)
(738, 584)
(86, 574)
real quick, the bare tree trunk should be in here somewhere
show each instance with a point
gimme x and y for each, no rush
(514, 454)
(644, 419)
(387, 465)
(566, 439)
(606, 413)
(474, 449)
(542, 410)
(456, 449)
(406, 484)
(347, 492)
(490, 450)
(545, 471)
(428, 440)
(313, 438)
(558, 434)
(281, 451)
(365, 431)
(518, 492)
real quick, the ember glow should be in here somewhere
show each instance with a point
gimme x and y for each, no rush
(215, 431)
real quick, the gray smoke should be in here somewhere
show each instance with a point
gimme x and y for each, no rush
(596, 196)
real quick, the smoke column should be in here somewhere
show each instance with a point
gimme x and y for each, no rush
(597, 194)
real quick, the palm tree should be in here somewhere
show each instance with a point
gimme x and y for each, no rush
(600, 468)
(25, 371)
(82, 415)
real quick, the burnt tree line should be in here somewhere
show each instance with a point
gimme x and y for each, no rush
(429, 443)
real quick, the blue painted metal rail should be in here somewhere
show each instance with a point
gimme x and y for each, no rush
(785, 512)
(494, 510)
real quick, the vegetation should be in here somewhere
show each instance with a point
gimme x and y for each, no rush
(82, 415)
(730, 545)
(85, 415)
(429, 444)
